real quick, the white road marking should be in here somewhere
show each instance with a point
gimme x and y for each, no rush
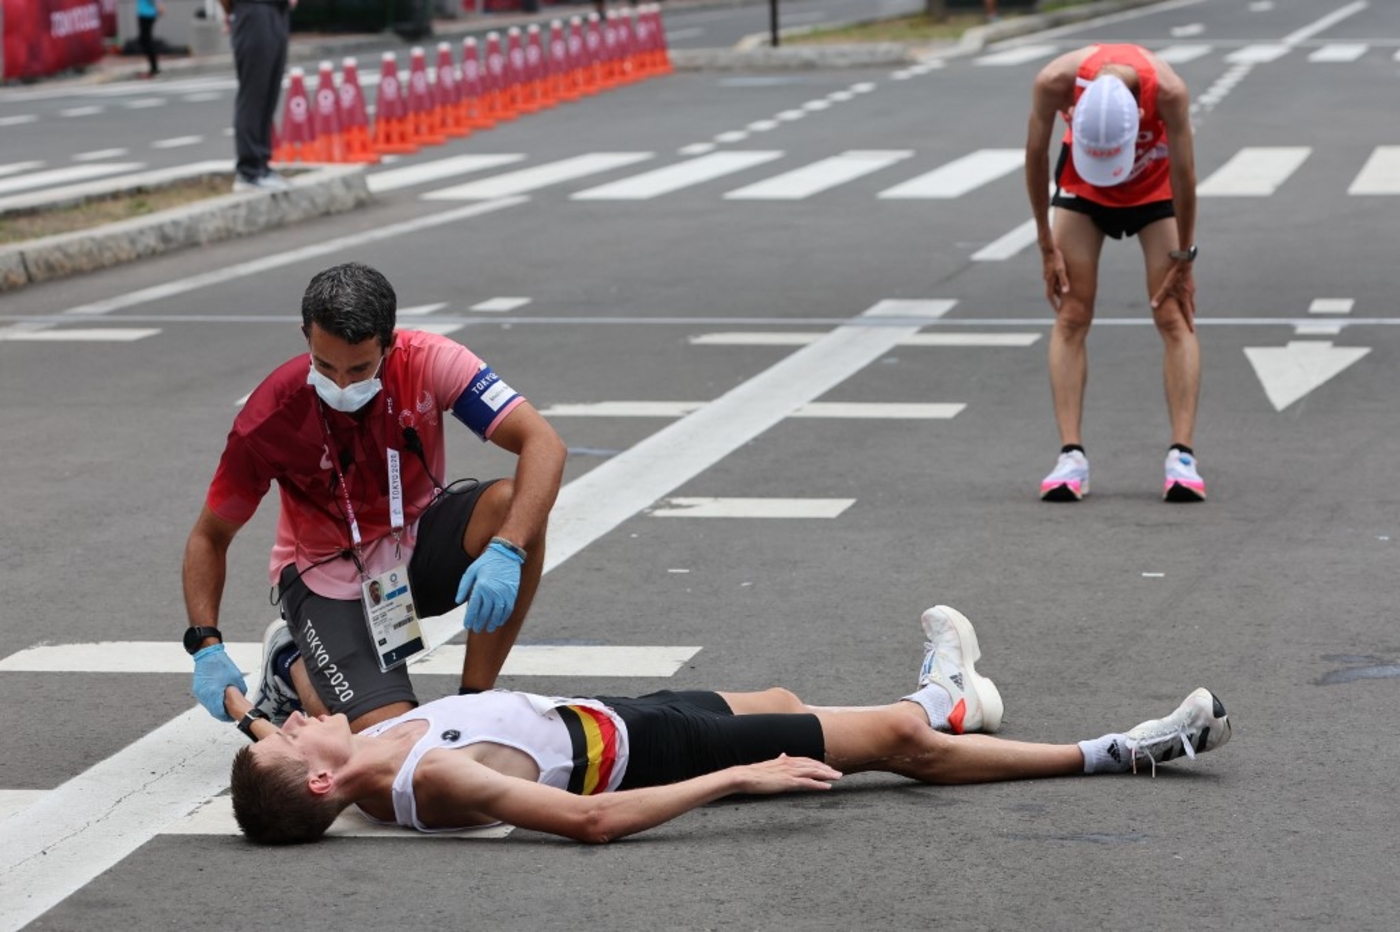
(15, 168)
(65, 175)
(201, 97)
(98, 155)
(526, 180)
(1017, 56)
(18, 119)
(395, 178)
(1254, 171)
(817, 409)
(1331, 306)
(736, 135)
(420, 310)
(215, 817)
(751, 507)
(1339, 52)
(1258, 54)
(677, 176)
(796, 338)
(1180, 54)
(1183, 32)
(177, 142)
(442, 329)
(698, 148)
(12, 801)
(762, 126)
(1290, 372)
(1381, 173)
(500, 305)
(1008, 245)
(1317, 330)
(144, 103)
(819, 176)
(92, 335)
(960, 176)
(258, 266)
(80, 111)
(563, 660)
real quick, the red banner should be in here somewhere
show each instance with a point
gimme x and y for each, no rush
(45, 36)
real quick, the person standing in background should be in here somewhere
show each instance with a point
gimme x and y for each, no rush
(261, 30)
(147, 12)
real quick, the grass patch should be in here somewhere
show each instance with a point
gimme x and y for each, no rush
(914, 29)
(42, 221)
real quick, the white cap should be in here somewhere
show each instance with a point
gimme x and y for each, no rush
(1105, 132)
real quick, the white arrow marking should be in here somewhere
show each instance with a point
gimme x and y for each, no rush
(1290, 372)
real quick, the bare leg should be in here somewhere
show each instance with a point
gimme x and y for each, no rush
(486, 653)
(1080, 243)
(898, 739)
(1181, 360)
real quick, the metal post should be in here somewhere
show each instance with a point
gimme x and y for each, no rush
(773, 21)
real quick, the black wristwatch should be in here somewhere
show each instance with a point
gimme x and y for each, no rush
(245, 724)
(1183, 255)
(194, 637)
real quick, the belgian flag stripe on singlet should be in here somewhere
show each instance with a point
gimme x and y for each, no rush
(594, 738)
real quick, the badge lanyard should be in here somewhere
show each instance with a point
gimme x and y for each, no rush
(396, 514)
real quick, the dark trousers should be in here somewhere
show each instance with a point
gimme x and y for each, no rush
(260, 34)
(146, 39)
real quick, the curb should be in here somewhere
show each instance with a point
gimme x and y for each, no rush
(328, 190)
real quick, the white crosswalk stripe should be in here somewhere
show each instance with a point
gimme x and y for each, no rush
(1180, 54)
(678, 176)
(1017, 56)
(1339, 52)
(1380, 174)
(56, 176)
(531, 179)
(819, 176)
(960, 176)
(1254, 171)
(1258, 54)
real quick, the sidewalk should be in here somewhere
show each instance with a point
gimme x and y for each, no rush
(334, 189)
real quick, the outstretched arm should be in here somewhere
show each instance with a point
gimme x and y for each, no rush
(449, 788)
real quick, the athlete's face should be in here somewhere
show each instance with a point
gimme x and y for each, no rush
(342, 362)
(321, 741)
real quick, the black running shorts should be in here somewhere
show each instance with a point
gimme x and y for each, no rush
(1116, 222)
(673, 736)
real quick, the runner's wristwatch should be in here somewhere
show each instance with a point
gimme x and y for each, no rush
(1183, 255)
(194, 637)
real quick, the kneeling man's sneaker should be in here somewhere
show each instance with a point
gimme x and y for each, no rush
(275, 697)
(1183, 482)
(949, 662)
(1069, 482)
(1198, 725)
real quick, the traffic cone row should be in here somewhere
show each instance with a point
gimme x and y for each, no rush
(531, 71)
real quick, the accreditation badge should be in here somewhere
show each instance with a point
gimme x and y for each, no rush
(393, 622)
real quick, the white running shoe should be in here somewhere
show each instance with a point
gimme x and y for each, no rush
(1198, 725)
(949, 659)
(1183, 483)
(275, 697)
(1069, 482)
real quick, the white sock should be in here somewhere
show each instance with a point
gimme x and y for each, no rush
(1108, 754)
(937, 705)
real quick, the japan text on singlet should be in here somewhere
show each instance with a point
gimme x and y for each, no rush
(1150, 179)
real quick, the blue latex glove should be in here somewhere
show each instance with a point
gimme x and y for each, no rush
(493, 582)
(214, 671)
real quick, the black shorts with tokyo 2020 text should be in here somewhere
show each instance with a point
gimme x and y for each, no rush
(673, 736)
(333, 635)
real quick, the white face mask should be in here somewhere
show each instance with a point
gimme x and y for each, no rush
(349, 399)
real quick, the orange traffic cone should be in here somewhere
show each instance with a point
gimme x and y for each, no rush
(593, 55)
(325, 117)
(515, 71)
(354, 119)
(449, 94)
(425, 125)
(298, 135)
(391, 136)
(575, 54)
(661, 51)
(474, 103)
(537, 69)
(496, 78)
(557, 63)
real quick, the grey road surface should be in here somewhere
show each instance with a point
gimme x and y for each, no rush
(711, 245)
